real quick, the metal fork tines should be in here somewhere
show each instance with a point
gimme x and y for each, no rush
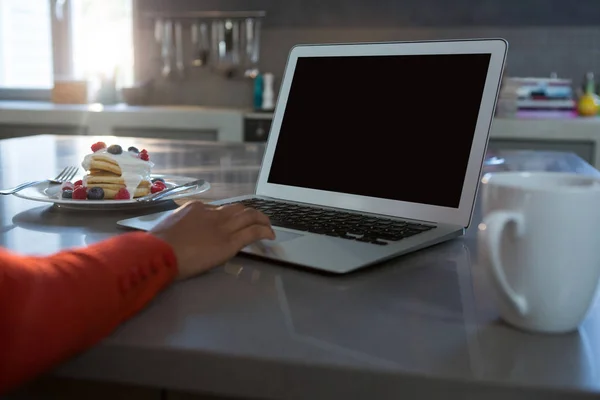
(66, 175)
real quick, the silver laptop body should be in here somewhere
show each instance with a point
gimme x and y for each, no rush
(375, 150)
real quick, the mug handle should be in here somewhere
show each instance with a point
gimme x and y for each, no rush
(495, 223)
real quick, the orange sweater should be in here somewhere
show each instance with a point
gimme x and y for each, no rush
(53, 307)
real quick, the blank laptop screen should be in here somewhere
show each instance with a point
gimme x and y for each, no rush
(391, 127)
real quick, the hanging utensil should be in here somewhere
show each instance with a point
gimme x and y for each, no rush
(235, 42)
(219, 45)
(167, 46)
(215, 42)
(251, 41)
(158, 30)
(226, 43)
(200, 44)
(205, 42)
(196, 59)
(179, 61)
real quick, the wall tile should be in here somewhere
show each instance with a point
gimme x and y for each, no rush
(394, 13)
(545, 36)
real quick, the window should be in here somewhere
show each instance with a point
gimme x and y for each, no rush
(25, 44)
(41, 40)
(102, 37)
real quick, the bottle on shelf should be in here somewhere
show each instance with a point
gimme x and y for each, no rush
(268, 96)
(588, 105)
(258, 92)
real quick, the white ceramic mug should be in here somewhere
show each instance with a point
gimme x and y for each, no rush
(540, 242)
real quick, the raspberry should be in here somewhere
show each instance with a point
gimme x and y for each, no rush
(144, 151)
(80, 193)
(157, 187)
(98, 146)
(122, 194)
(78, 183)
(145, 156)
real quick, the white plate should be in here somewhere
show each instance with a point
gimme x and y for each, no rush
(51, 194)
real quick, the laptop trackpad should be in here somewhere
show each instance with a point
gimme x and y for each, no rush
(283, 236)
(271, 247)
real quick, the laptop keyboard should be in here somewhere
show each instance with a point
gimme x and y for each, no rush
(335, 223)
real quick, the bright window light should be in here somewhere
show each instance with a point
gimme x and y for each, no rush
(103, 39)
(25, 44)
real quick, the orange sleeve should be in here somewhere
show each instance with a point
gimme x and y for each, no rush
(53, 307)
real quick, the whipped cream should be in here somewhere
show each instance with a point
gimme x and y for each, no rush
(133, 169)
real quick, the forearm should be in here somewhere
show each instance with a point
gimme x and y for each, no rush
(53, 307)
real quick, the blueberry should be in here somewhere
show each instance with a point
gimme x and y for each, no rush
(158, 180)
(67, 194)
(95, 193)
(133, 150)
(115, 149)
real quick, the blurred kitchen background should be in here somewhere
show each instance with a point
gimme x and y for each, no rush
(210, 69)
(546, 36)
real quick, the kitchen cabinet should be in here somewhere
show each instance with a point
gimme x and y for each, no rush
(16, 130)
(257, 127)
(585, 149)
(175, 122)
(162, 133)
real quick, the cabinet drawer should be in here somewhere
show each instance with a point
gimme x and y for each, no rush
(256, 130)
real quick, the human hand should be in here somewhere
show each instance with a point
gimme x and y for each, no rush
(204, 236)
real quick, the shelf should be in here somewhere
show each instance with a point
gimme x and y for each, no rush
(206, 15)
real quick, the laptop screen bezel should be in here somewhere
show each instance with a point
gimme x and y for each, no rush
(460, 216)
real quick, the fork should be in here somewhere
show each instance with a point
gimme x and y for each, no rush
(171, 191)
(65, 176)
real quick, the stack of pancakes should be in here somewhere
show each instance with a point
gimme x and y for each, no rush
(104, 172)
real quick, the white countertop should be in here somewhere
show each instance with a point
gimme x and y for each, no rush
(116, 108)
(547, 126)
(101, 120)
(228, 122)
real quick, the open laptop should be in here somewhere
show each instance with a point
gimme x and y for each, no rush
(375, 150)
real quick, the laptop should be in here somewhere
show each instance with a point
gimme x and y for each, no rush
(375, 150)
